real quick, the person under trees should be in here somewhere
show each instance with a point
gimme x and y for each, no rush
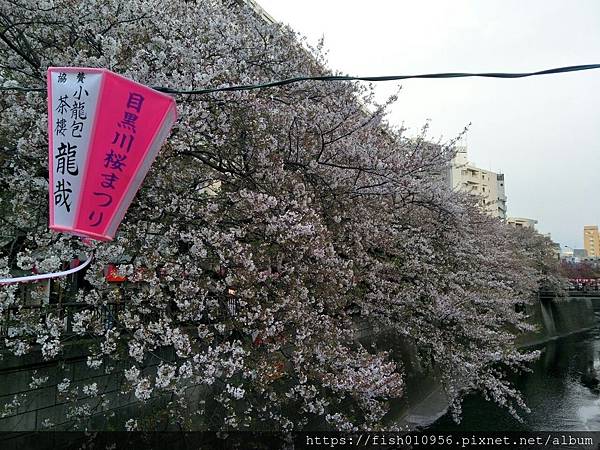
(323, 212)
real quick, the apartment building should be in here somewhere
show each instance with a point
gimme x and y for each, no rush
(259, 10)
(591, 240)
(521, 222)
(488, 185)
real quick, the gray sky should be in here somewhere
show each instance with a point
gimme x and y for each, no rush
(542, 132)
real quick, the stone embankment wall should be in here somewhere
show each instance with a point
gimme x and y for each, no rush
(44, 403)
(424, 400)
(556, 317)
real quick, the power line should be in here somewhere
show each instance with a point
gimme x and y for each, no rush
(249, 87)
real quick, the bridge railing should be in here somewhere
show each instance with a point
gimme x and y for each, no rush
(583, 284)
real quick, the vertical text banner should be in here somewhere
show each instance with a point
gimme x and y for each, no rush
(105, 132)
(72, 96)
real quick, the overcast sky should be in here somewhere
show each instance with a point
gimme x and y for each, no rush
(542, 132)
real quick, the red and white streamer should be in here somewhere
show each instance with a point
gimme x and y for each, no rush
(45, 276)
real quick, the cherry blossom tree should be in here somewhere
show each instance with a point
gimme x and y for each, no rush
(581, 269)
(271, 221)
(543, 257)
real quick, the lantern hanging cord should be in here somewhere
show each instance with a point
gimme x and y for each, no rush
(46, 276)
(249, 87)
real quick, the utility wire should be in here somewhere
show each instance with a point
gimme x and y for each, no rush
(249, 87)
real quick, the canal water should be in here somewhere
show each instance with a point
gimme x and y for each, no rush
(563, 391)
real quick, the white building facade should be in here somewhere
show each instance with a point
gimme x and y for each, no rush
(522, 222)
(488, 185)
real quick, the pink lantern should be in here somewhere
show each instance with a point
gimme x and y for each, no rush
(104, 133)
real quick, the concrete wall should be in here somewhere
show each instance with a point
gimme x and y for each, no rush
(424, 400)
(558, 317)
(45, 403)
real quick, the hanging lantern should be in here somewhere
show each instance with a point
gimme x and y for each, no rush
(104, 132)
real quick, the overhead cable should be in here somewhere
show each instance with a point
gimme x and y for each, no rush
(328, 78)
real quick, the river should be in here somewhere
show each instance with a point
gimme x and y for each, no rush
(562, 391)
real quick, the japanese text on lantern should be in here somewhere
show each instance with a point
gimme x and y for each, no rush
(115, 159)
(70, 116)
